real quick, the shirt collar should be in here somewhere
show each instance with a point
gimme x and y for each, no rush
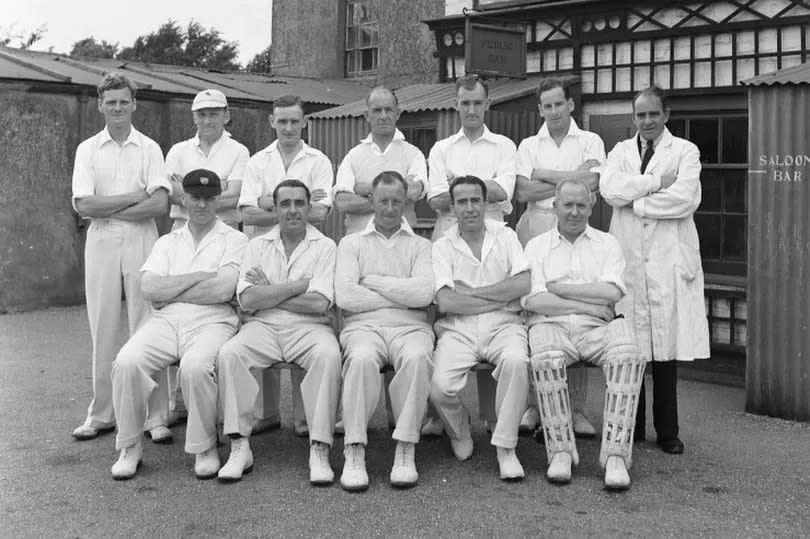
(225, 135)
(397, 136)
(487, 135)
(573, 130)
(306, 149)
(491, 227)
(642, 144)
(588, 233)
(311, 234)
(134, 137)
(404, 228)
(217, 229)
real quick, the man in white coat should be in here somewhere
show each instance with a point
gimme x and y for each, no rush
(653, 183)
(120, 185)
(559, 151)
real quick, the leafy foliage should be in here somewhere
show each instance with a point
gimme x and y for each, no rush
(91, 48)
(260, 63)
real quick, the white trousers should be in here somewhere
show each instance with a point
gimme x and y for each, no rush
(367, 349)
(163, 340)
(257, 346)
(457, 352)
(113, 256)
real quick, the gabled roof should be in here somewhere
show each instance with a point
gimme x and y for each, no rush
(17, 64)
(799, 74)
(428, 97)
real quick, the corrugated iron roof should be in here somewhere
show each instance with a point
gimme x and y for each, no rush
(20, 64)
(798, 74)
(427, 97)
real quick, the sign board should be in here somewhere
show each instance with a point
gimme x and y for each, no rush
(495, 50)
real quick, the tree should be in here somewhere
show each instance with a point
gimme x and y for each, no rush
(260, 63)
(194, 47)
(22, 42)
(91, 48)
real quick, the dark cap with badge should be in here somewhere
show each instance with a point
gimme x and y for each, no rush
(202, 182)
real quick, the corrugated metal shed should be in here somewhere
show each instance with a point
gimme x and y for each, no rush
(799, 74)
(435, 97)
(778, 352)
(26, 65)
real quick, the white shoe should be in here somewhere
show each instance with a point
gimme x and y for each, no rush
(161, 435)
(463, 445)
(339, 430)
(206, 464)
(432, 427)
(509, 465)
(320, 471)
(582, 427)
(616, 476)
(403, 472)
(559, 469)
(128, 462)
(354, 477)
(300, 428)
(239, 462)
(530, 420)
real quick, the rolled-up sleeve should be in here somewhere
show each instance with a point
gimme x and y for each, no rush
(523, 159)
(518, 262)
(418, 170)
(251, 183)
(536, 252)
(323, 275)
(613, 265)
(235, 245)
(322, 177)
(158, 261)
(345, 179)
(437, 174)
(155, 169)
(83, 184)
(251, 258)
(505, 174)
(441, 256)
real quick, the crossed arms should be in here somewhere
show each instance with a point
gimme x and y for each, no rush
(465, 299)
(198, 287)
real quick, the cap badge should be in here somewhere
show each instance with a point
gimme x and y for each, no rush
(204, 180)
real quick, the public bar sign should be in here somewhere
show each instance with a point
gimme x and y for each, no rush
(495, 50)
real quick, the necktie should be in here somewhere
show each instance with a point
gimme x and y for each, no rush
(648, 153)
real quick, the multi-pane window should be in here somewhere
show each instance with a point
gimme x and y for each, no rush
(361, 38)
(423, 137)
(721, 218)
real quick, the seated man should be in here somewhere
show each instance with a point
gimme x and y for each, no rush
(576, 280)
(286, 283)
(189, 277)
(480, 272)
(383, 282)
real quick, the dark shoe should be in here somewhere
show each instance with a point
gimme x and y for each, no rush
(672, 446)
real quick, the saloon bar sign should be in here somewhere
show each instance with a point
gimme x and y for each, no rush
(495, 50)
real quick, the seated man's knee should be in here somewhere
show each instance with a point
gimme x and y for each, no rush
(361, 357)
(127, 359)
(194, 366)
(230, 353)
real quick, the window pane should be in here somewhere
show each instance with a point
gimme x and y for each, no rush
(734, 188)
(734, 247)
(366, 32)
(349, 13)
(709, 233)
(641, 78)
(368, 59)
(710, 181)
(677, 127)
(351, 65)
(735, 140)
(703, 74)
(704, 134)
(362, 12)
(682, 78)
(351, 37)
(604, 81)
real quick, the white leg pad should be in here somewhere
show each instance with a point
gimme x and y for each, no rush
(551, 387)
(624, 372)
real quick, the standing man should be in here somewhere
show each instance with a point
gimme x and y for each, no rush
(385, 148)
(287, 158)
(286, 284)
(212, 148)
(653, 183)
(190, 277)
(119, 183)
(559, 151)
(576, 280)
(384, 282)
(475, 151)
(481, 272)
